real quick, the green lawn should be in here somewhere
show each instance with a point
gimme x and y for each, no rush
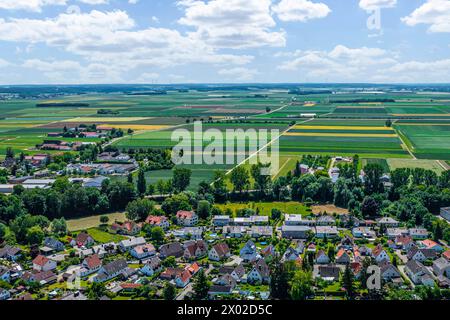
(265, 208)
(104, 237)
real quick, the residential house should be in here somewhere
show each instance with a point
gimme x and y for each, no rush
(189, 233)
(237, 272)
(183, 279)
(325, 220)
(219, 252)
(217, 290)
(96, 182)
(41, 277)
(173, 249)
(268, 251)
(187, 218)
(329, 272)
(220, 221)
(152, 266)
(295, 232)
(388, 222)
(430, 244)
(42, 263)
(389, 271)
(418, 273)
(421, 255)
(196, 250)
(364, 232)
(379, 254)
(404, 242)
(10, 253)
(356, 268)
(446, 255)
(5, 274)
(441, 267)
(143, 251)
(129, 228)
(290, 255)
(128, 244)
(322, 257)
(326, 232)
(393, 233)
(111, 270)
(55, 244)
(90, 265)
(418, 233)
(261, 232)
(260, 273)
(234, 231)
(343, 257)
(158, 221)
(83, 239)
(293, 219)
(249, 252)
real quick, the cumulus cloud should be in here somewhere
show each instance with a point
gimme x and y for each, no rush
(111, 37)
(435, 13)
(300, 10)
(370, 5)
(29, 5)
(234, 24)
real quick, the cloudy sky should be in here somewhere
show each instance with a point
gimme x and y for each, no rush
(224, 41)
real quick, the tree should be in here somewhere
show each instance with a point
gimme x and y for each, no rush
(59, 226)
(2, 231)
(369, 208)
(104, 219)
(240, 179)
(348, 282)
(279, 280)
(138, 210)
(141, 183)
(35, 235)
(9, 153)
(275, 214)
(201, 286)
(373, 171)
(331, 252)
(261, 174)
(204, 209)
(220, 189)
(301, 285)
(169, 292)
(181, 179)
(130, 178)
(96, 291)
(388, 123)
(157, 234)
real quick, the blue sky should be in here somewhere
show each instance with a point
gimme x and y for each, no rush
(224, 41)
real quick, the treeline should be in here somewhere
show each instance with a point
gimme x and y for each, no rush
(308, 92)
(363, 101)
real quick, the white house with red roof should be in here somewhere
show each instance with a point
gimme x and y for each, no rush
(219, 252)
(187, 218)
(430, 244)
(158, 221)
(343, 257)
(183, 279)
(379, 254)
(90, 265)
(143, 251)
(42, 263)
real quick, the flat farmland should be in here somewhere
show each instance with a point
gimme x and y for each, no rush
(411, 163)
(427, 141)
(345, 138)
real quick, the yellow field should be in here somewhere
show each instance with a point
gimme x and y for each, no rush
(341, 128)
(105, 119)
(309, 104)
(361, 135)
(137, 127)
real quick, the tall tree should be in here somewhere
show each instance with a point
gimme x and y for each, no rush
(181, 179)
(201, 286)
(301, 285)
(279, 280)
(240, 179)
(141, 183)
(348, 282)
(169, 291)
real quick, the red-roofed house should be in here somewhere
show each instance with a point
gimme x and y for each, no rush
(430, 244)
(380, 254)
(446, 255)
(183, 280)
(343, 257)
(158, 221)
(42, 263)
(196, 249)
(143, 251)
(187, 218)
(84, 240)
(90, 265)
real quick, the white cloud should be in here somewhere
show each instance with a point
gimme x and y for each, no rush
(435, 13)
(300, 10)
(232, 23)
(30, 5)
(238, 74)
(370, 5)
(111, 38)
(4, 63)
